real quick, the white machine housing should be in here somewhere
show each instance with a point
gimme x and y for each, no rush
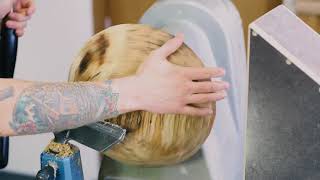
(213, 30)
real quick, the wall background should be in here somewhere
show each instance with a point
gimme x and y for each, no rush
(128, 11)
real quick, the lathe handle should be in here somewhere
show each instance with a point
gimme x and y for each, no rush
(8, 50)
(47, 173)
(8, 54)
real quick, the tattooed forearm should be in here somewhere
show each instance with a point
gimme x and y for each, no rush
(56, 107)
(6, 93)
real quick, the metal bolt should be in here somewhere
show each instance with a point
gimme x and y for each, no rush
(183, 170)
(288, 62)
(254, 33)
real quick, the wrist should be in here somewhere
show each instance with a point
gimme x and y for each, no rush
(129, 95)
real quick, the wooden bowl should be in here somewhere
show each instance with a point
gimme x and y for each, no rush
(152, 139)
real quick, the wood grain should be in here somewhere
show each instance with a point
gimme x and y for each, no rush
(152, 139)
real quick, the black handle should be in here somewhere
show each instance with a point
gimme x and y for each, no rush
(4, 152)
(8, 54)
(8, 50)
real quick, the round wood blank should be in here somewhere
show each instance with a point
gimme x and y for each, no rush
(152, 139)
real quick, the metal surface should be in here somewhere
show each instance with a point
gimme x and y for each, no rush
(99, 136)
(283, 128)
(193, 169)
(213, 30)
(67, 168)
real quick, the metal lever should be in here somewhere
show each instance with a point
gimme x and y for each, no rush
(47, 173)
(8, 54)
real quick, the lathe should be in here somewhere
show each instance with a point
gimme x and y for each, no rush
(268, 128)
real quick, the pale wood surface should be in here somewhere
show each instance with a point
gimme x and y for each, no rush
(152, 139)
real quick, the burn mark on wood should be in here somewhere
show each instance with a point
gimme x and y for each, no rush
(159, 44)
(91, 78)
(132, 30)
(103, 44)
(85, 62)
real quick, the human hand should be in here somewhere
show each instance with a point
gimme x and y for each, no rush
(5, 7)
(22, 12)
(168, 88)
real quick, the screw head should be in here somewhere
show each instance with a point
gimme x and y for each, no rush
(254, 34)
(288, 62)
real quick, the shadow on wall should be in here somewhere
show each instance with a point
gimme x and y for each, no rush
(13, 176)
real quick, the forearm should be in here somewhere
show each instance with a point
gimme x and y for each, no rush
(32, 108)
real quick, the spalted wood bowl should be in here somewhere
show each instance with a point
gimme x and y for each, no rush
(152, 139)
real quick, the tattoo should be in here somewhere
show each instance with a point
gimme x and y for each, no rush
(55, 107)
(6, 93)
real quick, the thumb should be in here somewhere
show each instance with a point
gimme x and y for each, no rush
(171, 46)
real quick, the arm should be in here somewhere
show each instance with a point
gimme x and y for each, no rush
(35, 107)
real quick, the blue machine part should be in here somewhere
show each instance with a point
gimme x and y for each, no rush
(67, 168)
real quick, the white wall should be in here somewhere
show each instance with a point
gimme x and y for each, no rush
(54, 36)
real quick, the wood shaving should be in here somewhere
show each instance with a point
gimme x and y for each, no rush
(61, 150)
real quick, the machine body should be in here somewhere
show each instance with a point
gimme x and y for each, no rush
(283, 127)
(99, 136)
(62, 168)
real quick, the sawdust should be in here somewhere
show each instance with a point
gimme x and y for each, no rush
(61, 150)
